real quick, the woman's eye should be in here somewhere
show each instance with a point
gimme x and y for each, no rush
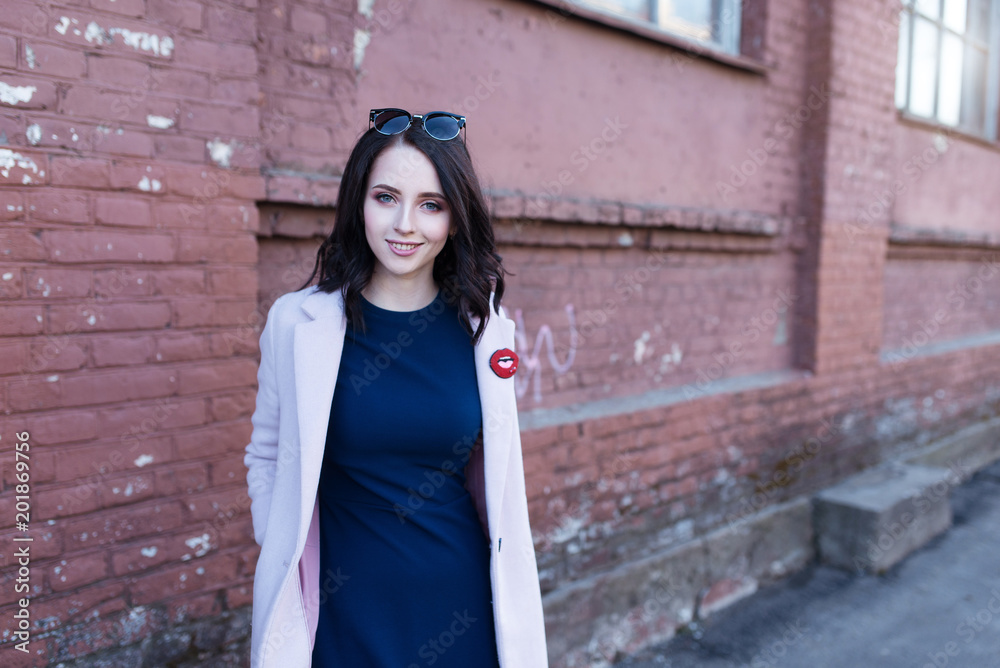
(434, 206)
(384, 197)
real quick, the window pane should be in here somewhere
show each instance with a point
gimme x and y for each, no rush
(687, 17)
(636, 9)
(979, 19)
(903, 59)
(923, 79)
(931, 8)
(954, 15)
(950, 85)
(974, 89)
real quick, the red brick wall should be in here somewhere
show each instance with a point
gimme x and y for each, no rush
(129, 314)
(162, 195)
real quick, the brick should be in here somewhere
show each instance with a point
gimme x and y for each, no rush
(236, 91)
(219, 58)
(187, 14)
(66, 426)
(29, 92)
(203, 248)
(138, 425)
(81, 172)
(103, 317)
(8, 51)
(81, 570)
(122, 350)
(11, 283)
(21, 320)
(13, 356)
(307, 21)
(313, 138)
(122, 211)
(59, 206)
(115, 527)
(128, 73)
(139, 177)
(182, 479)
(52, 60)
(134, 8)
(211, 572)
(207, 312)
(230, 121)
(211, 376)
(234, 406)
(108, 246)
(91, 102)
(22, 167)
(229, 24)
(178, 148)
(182, 347)
(12, 207)
(208, 442)
(232, 282)
(122, 281)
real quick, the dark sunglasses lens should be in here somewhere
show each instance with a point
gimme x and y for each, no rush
(441, 127)
(391, 122)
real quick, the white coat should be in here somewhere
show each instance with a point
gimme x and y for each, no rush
(300, 350)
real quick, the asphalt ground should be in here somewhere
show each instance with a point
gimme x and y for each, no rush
(938, 608)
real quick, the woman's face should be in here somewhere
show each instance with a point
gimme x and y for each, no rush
(407, 219)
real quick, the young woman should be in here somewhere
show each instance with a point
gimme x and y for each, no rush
(384, 467)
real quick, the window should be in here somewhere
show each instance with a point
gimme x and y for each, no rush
(714, 22)
(947, 68)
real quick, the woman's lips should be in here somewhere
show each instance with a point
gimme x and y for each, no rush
(403, 249)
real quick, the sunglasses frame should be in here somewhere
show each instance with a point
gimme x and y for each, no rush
(373, 114)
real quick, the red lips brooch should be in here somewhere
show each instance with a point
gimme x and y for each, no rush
(504, 362)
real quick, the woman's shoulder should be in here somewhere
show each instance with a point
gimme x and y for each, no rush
(294, 307)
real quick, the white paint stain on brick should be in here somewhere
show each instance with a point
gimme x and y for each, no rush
(159, 122)
(220, 151)
(361, 40)
(640, 347)
(15, 94)
(8, 276)
(146, 184)
(199, 544)
(148, 552)
(63, 25)
(29, 55)
(10, 159)
(140, 41)
(34, 134)
(53, 378)
(625, 239)
(142, 460)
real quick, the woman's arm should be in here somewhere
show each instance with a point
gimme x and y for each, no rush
(475, 482)
(262, 451)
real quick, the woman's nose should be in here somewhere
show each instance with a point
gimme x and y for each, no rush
(404, 221)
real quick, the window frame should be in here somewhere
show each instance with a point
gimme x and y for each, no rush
(750, 47)
(991, 123)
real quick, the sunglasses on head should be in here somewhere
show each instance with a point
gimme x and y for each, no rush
(441, 125)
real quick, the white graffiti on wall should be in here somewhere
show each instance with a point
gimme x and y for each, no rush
(530, 366)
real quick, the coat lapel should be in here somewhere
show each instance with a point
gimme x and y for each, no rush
(319, 344)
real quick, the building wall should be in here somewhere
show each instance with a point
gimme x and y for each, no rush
(734, 284)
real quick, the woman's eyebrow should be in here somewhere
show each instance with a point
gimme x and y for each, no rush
(396, 190)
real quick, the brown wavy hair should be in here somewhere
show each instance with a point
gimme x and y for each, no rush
(467, 267)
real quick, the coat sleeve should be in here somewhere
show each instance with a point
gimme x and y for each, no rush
(262, 451)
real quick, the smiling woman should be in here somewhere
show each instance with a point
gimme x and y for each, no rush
(385, 465)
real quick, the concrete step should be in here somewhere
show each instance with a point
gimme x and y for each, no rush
(873, 520)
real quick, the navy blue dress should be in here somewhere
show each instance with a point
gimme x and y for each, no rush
(404, 561)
